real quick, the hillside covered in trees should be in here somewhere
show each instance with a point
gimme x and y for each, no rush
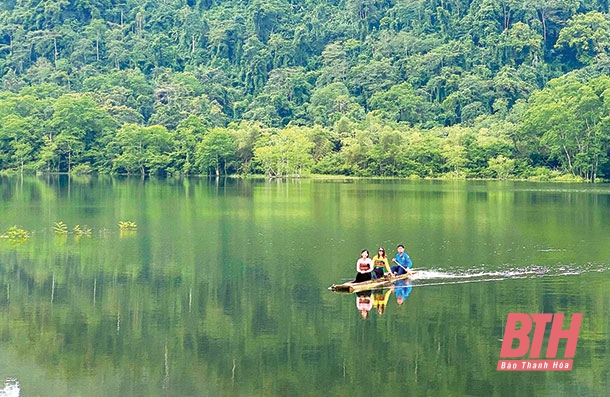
(408, 88)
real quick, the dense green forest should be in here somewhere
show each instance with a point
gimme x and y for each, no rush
(422, 88)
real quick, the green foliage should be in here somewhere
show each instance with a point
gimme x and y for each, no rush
(99, 88)
(329, 103)
(502, 166)
(141, 150)
(287, 153)
(587, 35)
(214, 150)
(571, 118)
(400, 103)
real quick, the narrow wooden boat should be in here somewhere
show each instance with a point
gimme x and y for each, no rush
(384, 282)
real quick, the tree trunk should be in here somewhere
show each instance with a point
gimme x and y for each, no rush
(569, 159)
(55, 53)
(543, 20)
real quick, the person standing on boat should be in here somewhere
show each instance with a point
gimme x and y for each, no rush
(381, 263)
(364, 267)
(402, 260)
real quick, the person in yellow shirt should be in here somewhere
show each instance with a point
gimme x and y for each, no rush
(381, 263)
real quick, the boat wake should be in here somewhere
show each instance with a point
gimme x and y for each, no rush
(507, 272)
(11, 388)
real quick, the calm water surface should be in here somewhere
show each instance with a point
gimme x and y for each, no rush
(222, 289)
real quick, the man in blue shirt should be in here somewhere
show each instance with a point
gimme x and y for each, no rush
(402, 260)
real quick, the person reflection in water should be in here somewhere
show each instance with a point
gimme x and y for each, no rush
(364, 303)
(380, 300)
(402, 289)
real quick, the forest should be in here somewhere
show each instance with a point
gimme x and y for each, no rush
(394, 88)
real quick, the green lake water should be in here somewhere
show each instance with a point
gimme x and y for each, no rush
(223, 288)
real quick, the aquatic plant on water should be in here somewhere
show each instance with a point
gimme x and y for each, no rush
(128, 226)
(16, 234)
(84, 231)
(60, 228)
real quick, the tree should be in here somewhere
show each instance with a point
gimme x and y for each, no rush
(246, 136)
(17, 141)
(567, 115)
(552, 14)
(266, 15)
(367, 78)
(411, 64)
(521, 44)
(214, 150)
(502, 166)
(511, 84)
(455, 158)
(95, 31)
(286, 153)
(329, 103)
(128, 87)
(141, 149)
(256, 62)
(335, 64)
(180, 95)
(401, 103)
(472, 97)
(587, 35)
(186, 136)
(356, 151)
(282, 98)
(78, 128)
(486, 21)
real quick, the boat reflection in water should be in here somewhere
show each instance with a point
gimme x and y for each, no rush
(375, 294)
(378, 299)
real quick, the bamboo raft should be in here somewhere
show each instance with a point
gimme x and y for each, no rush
(384, 282)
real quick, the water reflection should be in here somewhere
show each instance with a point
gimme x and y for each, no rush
(222, 289)
(402, 290)
(377, 299)
(364, 303)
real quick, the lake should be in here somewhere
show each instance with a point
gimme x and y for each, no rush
(222, 288)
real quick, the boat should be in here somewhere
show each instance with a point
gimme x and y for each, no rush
(384, 282)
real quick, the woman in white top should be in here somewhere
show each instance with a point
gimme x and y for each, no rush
(364, 267)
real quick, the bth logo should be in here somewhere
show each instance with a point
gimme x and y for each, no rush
(538, 322)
